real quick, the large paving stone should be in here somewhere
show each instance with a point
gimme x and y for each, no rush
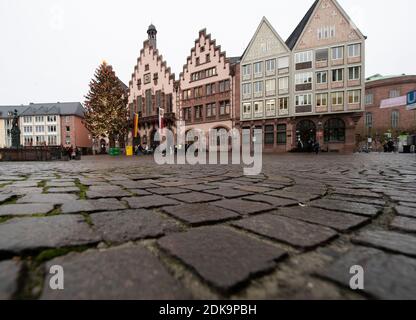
(148, 202)
(130, 273)
(408, 204)
(406, 211)
(255, 188)
(274, 201)
(64, 190)
(48, 198)
(366, 200)
(200, 187)
(18, 235)
(9, 274)
(296, 233)
(393, 241)
(195, 197)
(25, 209)
(129, 225)
(299, 197)
(389, 277)
(221, 256)
(198, 214)
(60, 184)
(242, 206)
(6, 196)
(229, 193)
(140, 192)
(167, 191)
(403, 223)
(357, 193)
(347, 206)
(334, 219)
(22, 191)
(96, 192)
(92, 205)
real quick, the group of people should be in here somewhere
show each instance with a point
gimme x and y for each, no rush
(311, 146)
(73, 153)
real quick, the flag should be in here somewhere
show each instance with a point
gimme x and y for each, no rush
(161, 118)
(136, 125)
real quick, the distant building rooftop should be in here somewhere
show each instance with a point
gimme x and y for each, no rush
(378, 76)
(34, 109)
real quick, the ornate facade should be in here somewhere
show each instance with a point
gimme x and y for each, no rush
(152, 90)
(316, 96)
(209, 87)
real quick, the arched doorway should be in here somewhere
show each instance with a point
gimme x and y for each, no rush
(305, 135)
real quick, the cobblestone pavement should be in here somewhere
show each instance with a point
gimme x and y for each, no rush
(128, 229)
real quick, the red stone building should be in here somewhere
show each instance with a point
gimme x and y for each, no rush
(209, 88)
(386, 113)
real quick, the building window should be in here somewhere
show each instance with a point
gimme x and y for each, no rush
(321, 55)
(247, 71)
(39, 119)
(326, 32)
(354, 50)
(281, 134)
(395, 119)
(269, 135)
(169, 103)
(337, 53)
(198, 92)
(354, 97)
(207, 58)
(186, 113)
(270, 108)
(322, 77)
(224, 107)
(207, 73)
(303, 100)
(51, 118)
(354, 73)
(211, 110)
(246, 90)
(67, 119)
(27, 129)
(247, 110)
(258, 69)
(322, 100)
(40, 129)
(27, 119)
(394, 93)
(334, 130)
(271, 67)
(338, 98)
(369, 120)
(198, 112)
(283, 106)
(302, 57)
(51, 128)
(258, 108)
(210, 89)
(283, 63)
(369, 99)
(68, 129)
(146, 67)
(139, 104)
(283, 85)
(303, 78)
(158, 99)
(258, 89)
(52, 140)
(270, 87)
(224, 85)
(149, 106)
(338, 75)
(187, 94)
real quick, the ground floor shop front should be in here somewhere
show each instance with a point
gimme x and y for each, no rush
(333, 133)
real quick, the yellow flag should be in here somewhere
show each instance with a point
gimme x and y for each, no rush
(136, 125)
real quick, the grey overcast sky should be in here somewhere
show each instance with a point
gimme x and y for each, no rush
(49, 49)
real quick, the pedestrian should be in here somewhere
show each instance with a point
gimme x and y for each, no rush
(317, 147)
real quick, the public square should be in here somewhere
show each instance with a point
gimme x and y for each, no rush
(126, 228)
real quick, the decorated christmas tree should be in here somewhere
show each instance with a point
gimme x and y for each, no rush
(106, 106)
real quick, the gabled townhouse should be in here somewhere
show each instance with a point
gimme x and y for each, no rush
(265, 87)
(152, 91)
(209, 88)
(319, 90)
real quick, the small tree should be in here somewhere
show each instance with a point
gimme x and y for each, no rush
(106, 105)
